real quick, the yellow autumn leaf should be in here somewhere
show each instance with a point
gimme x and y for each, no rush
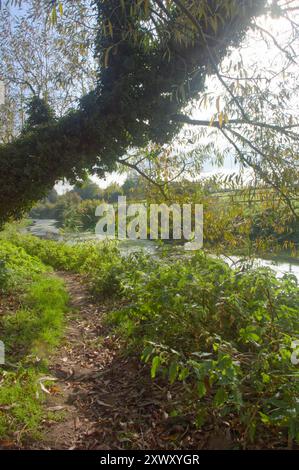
(54, 16)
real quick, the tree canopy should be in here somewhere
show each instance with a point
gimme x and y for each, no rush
(153, 58)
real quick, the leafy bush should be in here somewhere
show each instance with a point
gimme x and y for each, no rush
(86, 213)
(277, 225)
(58, 255)
(17, 267)
(105, 269)
(225, 335)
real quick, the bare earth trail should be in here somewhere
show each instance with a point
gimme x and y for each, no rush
(105, 400)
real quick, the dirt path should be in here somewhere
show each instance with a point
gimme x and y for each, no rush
(105, 400)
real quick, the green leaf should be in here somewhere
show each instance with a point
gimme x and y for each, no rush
(220, 397)
(201, 389)
(155, 364)
(173, 372)
(266, 378)
(147, 352)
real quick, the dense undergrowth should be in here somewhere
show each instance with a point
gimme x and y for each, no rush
(99, 262)
(29, 332)
(224, 336)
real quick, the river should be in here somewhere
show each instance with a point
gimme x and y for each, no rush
(46, 228)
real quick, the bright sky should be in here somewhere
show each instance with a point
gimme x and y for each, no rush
(257, 51)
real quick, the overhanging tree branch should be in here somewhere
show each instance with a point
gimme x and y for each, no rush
(131, 104)
(257, 168)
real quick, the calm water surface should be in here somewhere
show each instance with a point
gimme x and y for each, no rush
(46, 228)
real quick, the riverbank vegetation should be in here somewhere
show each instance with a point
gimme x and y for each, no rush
(32, 307)
(224, 336)
(157, 89)
(243, 220)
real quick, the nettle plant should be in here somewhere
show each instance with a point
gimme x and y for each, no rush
(225, 335)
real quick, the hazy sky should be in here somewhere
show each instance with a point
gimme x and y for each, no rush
(256, 51)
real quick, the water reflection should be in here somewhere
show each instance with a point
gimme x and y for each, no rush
(47, 228)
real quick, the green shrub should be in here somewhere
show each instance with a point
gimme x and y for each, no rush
(58, 255)
(17, 268)
(225, 335)
(276, 225)
(17, 264)
(104, 267)
(101, 261)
